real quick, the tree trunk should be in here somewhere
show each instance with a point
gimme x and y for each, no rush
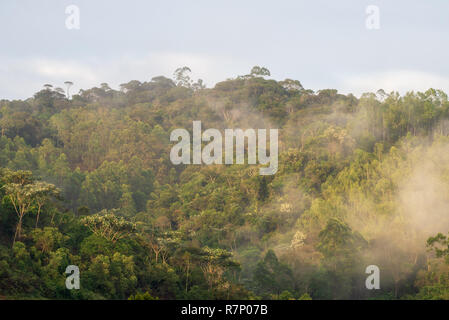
(38, 213)
(18, 230)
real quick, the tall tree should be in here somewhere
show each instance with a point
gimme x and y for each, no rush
(43, 192)
(20, 191)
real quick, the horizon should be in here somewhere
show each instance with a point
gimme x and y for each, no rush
(315, 91)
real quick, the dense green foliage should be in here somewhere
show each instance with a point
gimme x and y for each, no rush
(88, 181)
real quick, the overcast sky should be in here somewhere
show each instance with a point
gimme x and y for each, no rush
(324, 44)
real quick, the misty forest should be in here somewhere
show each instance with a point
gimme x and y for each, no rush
(86, 180)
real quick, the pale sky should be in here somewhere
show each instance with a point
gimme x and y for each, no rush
(323, 44)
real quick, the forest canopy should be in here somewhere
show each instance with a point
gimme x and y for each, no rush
(87, 180)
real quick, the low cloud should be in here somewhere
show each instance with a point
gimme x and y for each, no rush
(21, 78)
(399, 80)
(56, 70)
